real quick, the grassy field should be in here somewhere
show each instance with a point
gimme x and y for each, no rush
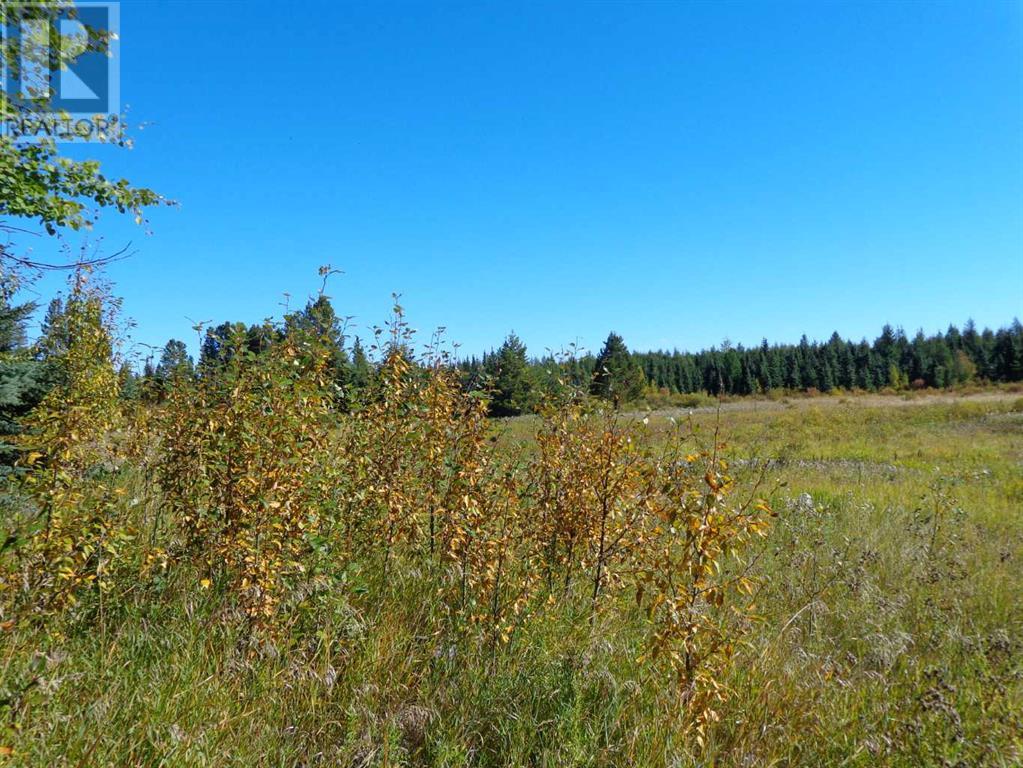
(889, 632)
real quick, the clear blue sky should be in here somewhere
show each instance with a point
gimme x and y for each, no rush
(680, 173)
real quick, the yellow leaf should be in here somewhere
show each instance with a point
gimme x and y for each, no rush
(205, 583)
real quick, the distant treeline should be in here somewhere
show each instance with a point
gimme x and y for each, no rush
(892, 360)
(518, 383)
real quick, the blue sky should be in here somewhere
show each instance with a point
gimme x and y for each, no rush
(680, 173)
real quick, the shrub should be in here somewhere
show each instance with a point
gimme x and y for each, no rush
(409, 487)
(72, 537)
(242, 464)
(273, 494)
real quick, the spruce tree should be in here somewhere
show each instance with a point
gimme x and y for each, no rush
(129, 382)
(175, 362)
(12, 324)
(220, 344)
(54, 340)
(320, 318)
(512, 382)
(616, 376)
(362, 371)
(24, 381)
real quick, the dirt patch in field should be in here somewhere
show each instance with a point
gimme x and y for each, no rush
(828, 401)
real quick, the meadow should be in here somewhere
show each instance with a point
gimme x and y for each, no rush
(304, 548)
(880, 623)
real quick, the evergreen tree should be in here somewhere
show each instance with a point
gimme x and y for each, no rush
(362, 371)
(749, 382)
(131, 387)
(12, 324)
(793, 377)
(616, 377)
(848, 367)
(1007, 358)
(24, 381)
(175, 362)
(765, 372)
(221, 343)
(320, 318)
(54, 339)
(512, 382)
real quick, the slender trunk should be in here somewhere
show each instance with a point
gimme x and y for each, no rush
(598, 573)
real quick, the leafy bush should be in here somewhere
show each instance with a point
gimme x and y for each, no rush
(269, 495)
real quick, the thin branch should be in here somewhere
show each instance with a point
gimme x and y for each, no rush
(99, 261)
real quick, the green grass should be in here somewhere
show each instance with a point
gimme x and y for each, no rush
(890, 633)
